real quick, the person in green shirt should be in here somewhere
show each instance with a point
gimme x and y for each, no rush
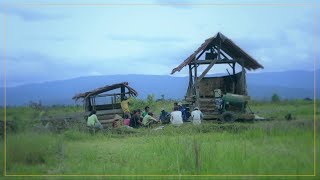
(149, 119)
(146, 111)
(93, 121)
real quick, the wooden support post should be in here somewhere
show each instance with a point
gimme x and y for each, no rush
(196, 85)
(234, 78)
(207, 69)
(189, 92)
(243, 75)
(234, 68)
(219, 50)
(123, 91)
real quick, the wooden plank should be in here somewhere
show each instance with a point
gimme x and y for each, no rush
(112, 111)
(207, 69)
(104, 95)
(222, 61)
(106, 112)
(107, 116)
(105, 121)
(108, 106)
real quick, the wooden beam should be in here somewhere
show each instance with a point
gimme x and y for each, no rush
(196, 85)
(223, 61)
(234, 78)
(244, 86)
(200, 54)
(104, 95)
(207, 69)
(123, 90)
(222, 53)
(189, 92)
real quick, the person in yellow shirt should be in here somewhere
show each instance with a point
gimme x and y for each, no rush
(125, 106)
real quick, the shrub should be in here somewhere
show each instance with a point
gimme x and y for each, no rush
(32, 148)
(275, 98)
(75, 135)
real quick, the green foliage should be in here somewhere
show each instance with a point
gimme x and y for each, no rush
(150, 99)
(275, 98)
(267, 147)
(75, 135)
(32, 149)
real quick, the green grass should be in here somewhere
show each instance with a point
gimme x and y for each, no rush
(267, 147)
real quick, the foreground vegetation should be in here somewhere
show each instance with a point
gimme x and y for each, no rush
(274, 147)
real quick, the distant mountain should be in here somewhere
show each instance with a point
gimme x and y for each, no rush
(288, 85)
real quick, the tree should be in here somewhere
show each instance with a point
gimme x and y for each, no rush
(150, 100)
(275, 97)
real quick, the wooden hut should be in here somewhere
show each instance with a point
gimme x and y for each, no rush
(216, 50)
(105, 103)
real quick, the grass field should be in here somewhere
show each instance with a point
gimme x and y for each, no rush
(275, 147)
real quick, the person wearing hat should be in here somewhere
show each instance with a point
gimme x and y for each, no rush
(164, 116)
(196, 116)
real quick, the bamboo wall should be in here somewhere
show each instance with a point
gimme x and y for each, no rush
(225, 83)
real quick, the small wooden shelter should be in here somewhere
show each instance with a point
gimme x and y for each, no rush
(216, 50)
(106, 110)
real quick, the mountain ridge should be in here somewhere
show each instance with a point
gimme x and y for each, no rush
(288, 85)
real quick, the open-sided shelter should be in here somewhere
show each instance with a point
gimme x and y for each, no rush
(106, 101)
(216, 50)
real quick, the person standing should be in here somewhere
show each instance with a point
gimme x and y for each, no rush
(176, 117)
(125, 106)
(196, 116)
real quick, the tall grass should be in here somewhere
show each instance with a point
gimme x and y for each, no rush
(267, 147)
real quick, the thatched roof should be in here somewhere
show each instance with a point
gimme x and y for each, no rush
(228, 46)
(104, 89)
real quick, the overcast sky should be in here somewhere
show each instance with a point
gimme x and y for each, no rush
(45, 43)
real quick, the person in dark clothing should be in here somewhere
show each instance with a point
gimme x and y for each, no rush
(184, 112)
(135, 120)
(175, 104)
(164, 116)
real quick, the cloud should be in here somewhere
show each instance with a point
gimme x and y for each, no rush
(173, 4)
(146, 39)
(30, 15)
(29, 67)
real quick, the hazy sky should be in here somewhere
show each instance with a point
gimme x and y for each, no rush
(45, 43)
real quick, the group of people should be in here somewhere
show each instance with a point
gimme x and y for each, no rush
(147, 118)
(178, 116)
